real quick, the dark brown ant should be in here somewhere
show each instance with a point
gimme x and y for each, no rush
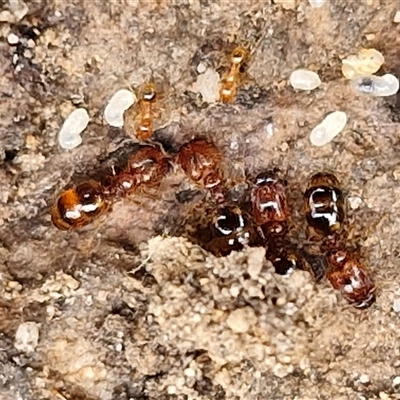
(271, 214)
(325, 214)
(231, 228)
(324, 207)
(231, 81)
(80, 205)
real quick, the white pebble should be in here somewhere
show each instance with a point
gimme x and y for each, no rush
(303, 79)
(27, 337)
(396, 381)
(328, 129)
(354, 202)
(396, 18)
(69, 136)
(201, 68)
(207, 85)
(396, 305)
(379, 86)
(317, 3)
(118, 104)
(12, 39)
(364, 378)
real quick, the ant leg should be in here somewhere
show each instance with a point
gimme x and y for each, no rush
(86, 246)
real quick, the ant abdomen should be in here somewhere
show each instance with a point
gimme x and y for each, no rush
(350, 277)
(80, 205)
(324, 205)
(269, 205)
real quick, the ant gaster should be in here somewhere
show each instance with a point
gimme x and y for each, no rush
(79, 205)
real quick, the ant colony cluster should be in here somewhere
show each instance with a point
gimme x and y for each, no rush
(261, 219)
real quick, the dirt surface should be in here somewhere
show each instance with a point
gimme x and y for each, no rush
(126, 309)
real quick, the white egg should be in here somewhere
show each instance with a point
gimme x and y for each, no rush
(118, 104)
(69, 136)
(303, 79)
(328, 129)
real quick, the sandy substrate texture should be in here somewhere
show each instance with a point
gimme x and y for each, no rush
(128, 310)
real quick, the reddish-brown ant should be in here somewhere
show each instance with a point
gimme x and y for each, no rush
(271, 214)
(325, 214)
(145, 168)
(83, 203)
(201, 162)
(79, 205)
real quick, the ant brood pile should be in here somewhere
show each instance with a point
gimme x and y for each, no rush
(263, 222)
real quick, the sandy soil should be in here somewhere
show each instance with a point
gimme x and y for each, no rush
(129, 310)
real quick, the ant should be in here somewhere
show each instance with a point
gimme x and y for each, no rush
(270, 212)
(147, 99)
(140, 119)
(80, 205)
(201, 161)
(324, 206)
(231, 228)
(230, 82)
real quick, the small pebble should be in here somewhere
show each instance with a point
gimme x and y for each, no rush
(396, 305)
(27, 337)
(317, 3)
(190, 372)
(396, 381)
(396, 18)
(69, 136)
(201, 68)
(368, 61)
(287, 4)
(207, 85)
(378, 86)
(354, 202)
(12, 39)
(328, 129)
(118, 104)
(241, 319)
(364, 378)
(304, 79)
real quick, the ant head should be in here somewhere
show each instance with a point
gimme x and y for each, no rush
(148, 91)
(239, 54)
